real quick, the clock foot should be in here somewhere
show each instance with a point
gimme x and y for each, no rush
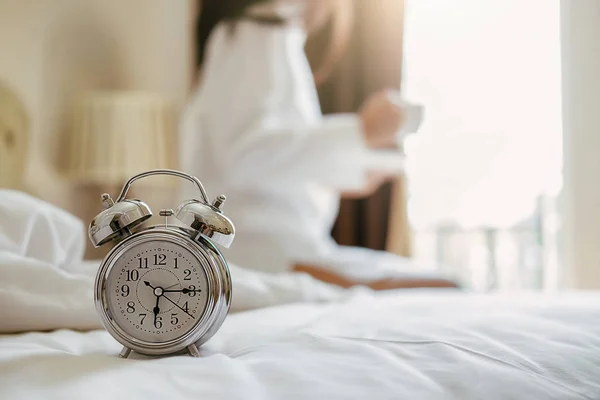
(125, 351)
(193, 350)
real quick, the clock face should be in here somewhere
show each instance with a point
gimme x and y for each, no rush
(157, 291)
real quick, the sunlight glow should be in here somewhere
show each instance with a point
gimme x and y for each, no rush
(488, 73)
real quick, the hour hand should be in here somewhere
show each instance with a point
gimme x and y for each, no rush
(156, 310)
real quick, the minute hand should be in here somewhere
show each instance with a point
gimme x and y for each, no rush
(184, 291)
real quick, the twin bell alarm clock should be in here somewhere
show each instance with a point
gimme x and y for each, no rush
(163, 289)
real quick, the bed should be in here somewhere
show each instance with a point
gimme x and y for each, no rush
(288, 336)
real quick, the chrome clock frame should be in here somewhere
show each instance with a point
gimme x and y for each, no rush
(219, 287)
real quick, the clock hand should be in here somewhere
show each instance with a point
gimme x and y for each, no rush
(156, 310)
(178, 306)
(184, 290)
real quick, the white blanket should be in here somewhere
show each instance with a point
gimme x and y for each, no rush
(409, 344)
(44, 284)
(414, 345)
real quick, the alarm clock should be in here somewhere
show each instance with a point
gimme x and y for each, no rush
(162, 289)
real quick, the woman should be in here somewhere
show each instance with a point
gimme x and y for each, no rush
(254, 131)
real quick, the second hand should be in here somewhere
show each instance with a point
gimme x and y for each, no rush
(163, 295)
(178, 306)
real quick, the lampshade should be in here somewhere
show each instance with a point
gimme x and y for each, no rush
(117, 134)
(13, 140)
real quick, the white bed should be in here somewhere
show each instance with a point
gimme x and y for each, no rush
(414, 345)
(289, 337)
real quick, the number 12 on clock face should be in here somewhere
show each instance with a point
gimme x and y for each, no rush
(159, 259)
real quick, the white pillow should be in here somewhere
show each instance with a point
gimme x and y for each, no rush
(32, 228)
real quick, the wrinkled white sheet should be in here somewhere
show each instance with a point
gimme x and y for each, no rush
(44, 284)
(403, 345)
(413, 345)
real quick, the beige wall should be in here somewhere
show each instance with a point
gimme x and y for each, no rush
(580, 31)
(51, 50)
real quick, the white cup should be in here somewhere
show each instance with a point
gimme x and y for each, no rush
(413, 119)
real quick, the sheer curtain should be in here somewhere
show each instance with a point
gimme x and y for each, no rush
(485, 169)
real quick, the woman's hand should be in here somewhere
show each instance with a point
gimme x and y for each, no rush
(382, 117)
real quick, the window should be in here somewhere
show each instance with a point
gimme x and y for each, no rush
(484, 171)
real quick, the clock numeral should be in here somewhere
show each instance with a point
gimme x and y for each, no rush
(160, 259)
(174, 319)
(158, 322)
(125, 290)
(192, 291)
(185, 307)
(187, 273)
(143, 317)
(132, 275)
(176, 259)
(131, 307)
(143, 262)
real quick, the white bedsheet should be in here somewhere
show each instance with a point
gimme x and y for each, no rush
(414, 345)
(358, 345)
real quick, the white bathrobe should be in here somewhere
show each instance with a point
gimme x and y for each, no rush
(254, 131)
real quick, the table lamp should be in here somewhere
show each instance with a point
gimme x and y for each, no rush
(117, 134)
